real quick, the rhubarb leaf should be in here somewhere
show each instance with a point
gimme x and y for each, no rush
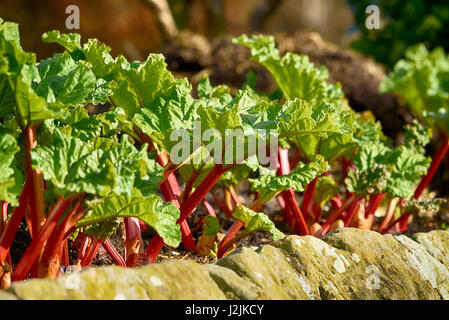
(368, 175)
(70, 41)
(296, 76)
(256, 221)
(11, 178)
(138, 85)
(269, 185)
(211, 227)
(75, 166)
(64, 80)
(151, 210)
(422, 81)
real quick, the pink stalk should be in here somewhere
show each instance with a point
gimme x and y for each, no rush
(336, 202)
(210, 210)
(34, 249)
(308, 196)
(83, 248)
(289, 195)
(436, 162)
(374, 203)
(91, 252)
(113, 253)
(230, 234)
(171, 192)
(12, 226)
(351, 211)
(133, 241)
(390, 213)
(220, 203)
(337, 214)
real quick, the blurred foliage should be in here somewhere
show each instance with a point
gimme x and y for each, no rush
(404, 23)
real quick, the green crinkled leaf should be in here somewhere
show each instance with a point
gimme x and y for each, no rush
(295, 75)
(368, 175)
(427, 207)
(211, 226)
(256, 221)
(11, 178)
(97, 54)
(268, 186)
(70, 41)
(422, 81)
(173, 109)
(64, 80)
(407, 169)
(379, 168)
(138, 85)
(151, 210)
(206, 244)
(75, 166)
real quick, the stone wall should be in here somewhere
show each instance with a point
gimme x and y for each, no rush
(346, 264)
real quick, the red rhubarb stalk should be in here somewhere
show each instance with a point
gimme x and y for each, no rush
(4, 216)
(352, 211)
(14, 221)
(210, 210)
(113, 253)
(82, 251)
(91, 252)
(234, 195)
(390, 213)
(37, 195)
(65, 261)
(229, 236)
(336, 202)
(337, 214)
(220, 203)
(436, 161)
(289, 195)
(153, 249)
(171, 192)
(133, 241)
(308, 196)
(404, 217)
(374, 203)
(187, 208)
(35, 248)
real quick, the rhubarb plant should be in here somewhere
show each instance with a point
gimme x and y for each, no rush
(76, 178)
(421, 82)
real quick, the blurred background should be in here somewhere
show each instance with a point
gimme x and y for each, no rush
(136, 27)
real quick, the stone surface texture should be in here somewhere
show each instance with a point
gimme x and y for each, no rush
(346, 264)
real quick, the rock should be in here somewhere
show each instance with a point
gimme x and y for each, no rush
(174, 280)
(347, 263)
(399, 271)
(436, 243)
(269, 270)
(180, 280)
(429, 268)
(4, 295)
(233, 286)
